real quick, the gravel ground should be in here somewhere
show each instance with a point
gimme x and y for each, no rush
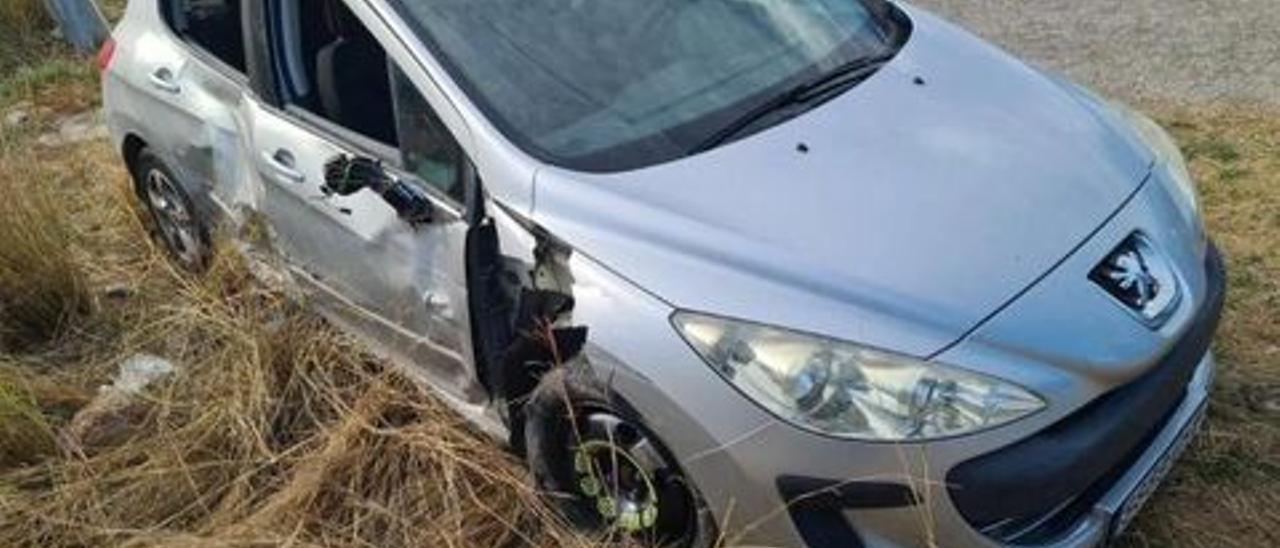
(1184, 51)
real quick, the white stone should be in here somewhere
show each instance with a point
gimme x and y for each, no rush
(139, 372)
(75, 129)
(16, 118)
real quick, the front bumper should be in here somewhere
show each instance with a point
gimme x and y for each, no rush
(1028, 494)
(1071, 482)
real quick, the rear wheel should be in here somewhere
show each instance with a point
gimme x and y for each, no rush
(606, 471)
(176, 222)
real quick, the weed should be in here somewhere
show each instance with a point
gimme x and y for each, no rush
(1232, 174)
(42, 286)
(1213, 147)
(22, 16)
(24, 33)
(25, 436)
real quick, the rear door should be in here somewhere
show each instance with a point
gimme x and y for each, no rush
(188, 71)
(401, 285)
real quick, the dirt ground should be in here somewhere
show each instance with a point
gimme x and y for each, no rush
(1181, 51)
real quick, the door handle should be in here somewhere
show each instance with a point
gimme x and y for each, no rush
(285, 165)
(164, 80)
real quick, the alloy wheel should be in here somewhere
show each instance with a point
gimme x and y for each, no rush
(176, 224)
(629, 484)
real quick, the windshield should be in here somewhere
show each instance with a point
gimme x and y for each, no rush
(607, 85)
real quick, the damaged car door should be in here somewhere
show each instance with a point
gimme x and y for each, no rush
(194, 92)
(395, 276)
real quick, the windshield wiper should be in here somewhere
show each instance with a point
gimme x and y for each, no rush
(807, 92)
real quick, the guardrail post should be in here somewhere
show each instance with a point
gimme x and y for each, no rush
(80, 21)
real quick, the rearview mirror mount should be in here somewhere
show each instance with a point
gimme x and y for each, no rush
(345, 175)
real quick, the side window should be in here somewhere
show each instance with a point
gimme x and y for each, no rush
(429, 150)
(212, 25)
(330, 66)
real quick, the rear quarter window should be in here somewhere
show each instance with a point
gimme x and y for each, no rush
(214, 26)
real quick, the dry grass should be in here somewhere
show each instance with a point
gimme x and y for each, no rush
(1226, 490)
(41, 287)
(112, 9)
(276, 431)
(22, 16)
(24, 32)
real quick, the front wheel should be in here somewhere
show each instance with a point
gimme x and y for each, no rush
(605, 471)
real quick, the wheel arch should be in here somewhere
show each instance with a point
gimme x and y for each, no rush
(131, 148)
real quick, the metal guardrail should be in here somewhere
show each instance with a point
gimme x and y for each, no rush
(80, 21)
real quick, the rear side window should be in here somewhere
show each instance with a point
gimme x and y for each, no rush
(214, 26)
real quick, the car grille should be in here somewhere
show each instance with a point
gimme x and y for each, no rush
(1036, 490)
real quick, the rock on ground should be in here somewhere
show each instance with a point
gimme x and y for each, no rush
(112, 417)
(75, 129)
(18, 115)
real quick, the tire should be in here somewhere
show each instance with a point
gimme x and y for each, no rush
(565, 415)
(176, 223)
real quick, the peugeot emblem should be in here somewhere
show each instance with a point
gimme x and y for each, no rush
(1138, 276)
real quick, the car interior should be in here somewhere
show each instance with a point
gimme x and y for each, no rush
(214, 25)
(328, 64)
(333, 67)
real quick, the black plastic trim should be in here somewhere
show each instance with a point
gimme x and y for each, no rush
(816, 506)
(846, 495)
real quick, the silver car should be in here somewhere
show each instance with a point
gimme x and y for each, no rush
(781, 272)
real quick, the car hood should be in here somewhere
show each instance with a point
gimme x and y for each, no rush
(930, 196)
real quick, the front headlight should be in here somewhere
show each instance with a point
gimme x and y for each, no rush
(846, 390)
(1168, 156)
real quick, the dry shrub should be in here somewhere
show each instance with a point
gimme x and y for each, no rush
(34, 404)
(22, 16)
(24, 30)
(42, 286)
(25, 436)
(277, 429)
(113, 10)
